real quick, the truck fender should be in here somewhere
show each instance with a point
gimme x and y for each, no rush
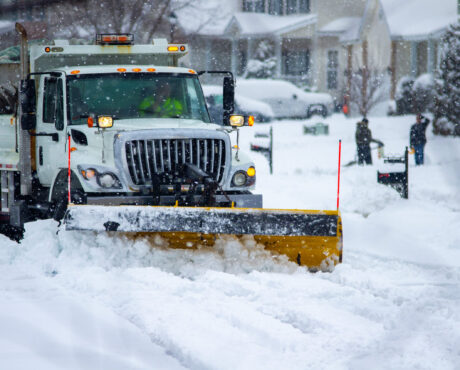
(60, 184)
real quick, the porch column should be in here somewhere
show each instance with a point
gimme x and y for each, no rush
(413, 59)
(278, 55)
(349, 77)
(250, 49)
(207, 54)
(430, 60)
(393, 69)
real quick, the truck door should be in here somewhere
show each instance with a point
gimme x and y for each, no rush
(51, 138)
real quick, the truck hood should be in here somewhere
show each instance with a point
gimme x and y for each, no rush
(154, 123)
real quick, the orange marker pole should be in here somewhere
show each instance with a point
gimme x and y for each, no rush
(68, 172)
(338, 179)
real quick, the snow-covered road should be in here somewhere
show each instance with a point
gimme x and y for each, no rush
(81, 300)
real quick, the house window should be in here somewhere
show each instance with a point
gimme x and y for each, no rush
(291, 7)
(275, 7)
(332, 69)
(257, 6)
(297, 6)
(296, 63)
(304, 6)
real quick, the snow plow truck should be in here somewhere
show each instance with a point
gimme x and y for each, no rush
(116, 137)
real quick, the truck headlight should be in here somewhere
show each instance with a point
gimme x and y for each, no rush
(239, 178)
(107, 180)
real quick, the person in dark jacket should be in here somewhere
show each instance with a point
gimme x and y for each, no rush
(418, 137)
(363, 141)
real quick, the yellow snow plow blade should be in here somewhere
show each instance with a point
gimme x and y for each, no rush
(309, 238)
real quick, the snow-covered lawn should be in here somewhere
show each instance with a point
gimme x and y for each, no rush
(85, 301)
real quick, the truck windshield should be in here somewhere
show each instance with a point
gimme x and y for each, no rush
(135, 95)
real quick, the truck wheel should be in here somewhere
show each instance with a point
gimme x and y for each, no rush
(13, 232)
(59, 196)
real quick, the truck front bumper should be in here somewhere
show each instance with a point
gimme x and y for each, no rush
(240, 200)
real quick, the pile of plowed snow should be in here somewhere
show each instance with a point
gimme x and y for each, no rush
(84, 300)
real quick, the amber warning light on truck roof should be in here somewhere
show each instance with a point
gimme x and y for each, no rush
(176, 48)
(114, 39)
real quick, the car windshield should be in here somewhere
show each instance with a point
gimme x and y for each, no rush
(135, 95)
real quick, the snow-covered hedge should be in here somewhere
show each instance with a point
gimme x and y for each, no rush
(447, 108)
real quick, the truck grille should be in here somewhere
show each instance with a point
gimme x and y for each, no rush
(146, 158)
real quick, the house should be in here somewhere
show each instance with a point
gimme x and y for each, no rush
(320, 43)
(416, 28)
(33, 14)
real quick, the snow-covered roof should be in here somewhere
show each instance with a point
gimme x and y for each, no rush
(205, 17)
(418, 19)
(346, 28)
(6, 26)
(260, 24)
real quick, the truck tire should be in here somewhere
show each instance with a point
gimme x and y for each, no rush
(13, 232)
(59, 196)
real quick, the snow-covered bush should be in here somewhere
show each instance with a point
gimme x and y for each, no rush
(404, 96)
(422, 90)
(263, 65)
(260, 69)
(447, 100)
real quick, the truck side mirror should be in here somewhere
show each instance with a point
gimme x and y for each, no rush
(229, 99)
(27, 100)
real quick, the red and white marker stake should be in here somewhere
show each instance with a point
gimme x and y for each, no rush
(338, 179)
(68, 172)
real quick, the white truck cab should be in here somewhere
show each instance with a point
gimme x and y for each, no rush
(132, 127)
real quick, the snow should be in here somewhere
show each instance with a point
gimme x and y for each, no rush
(419, 18)
(347, 27)
(245, 103)
(6, 25)
(83, 300)
(273, 89)
(204, 17)
(424, 81)
(253, 106)
(262, 24)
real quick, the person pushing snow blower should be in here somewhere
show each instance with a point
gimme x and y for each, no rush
(364, 138)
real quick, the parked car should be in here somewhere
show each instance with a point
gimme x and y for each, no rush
(286, 99)
(261, 111)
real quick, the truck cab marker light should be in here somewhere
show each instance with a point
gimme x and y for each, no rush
(75, 72)
(151, 70)
(192, 71)
(121, 69)
(136, 70)
(90, 122)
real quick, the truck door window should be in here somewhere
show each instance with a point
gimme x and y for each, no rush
(59, 107)
(49, 100)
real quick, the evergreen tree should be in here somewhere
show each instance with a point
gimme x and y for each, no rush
(447, 109)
